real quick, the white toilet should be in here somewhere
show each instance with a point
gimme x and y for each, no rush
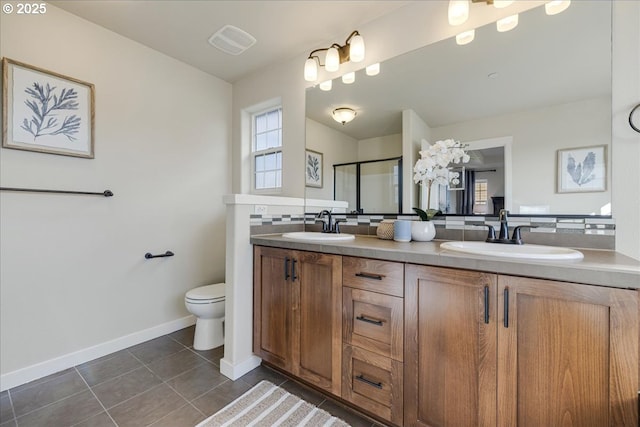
(207, 304)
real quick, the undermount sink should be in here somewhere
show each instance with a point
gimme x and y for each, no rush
(317, 236)
(525, 251)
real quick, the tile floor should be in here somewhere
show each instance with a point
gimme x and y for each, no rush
(162, 382)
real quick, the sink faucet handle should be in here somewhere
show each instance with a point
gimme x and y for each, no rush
(337, 224)
(491, 236)
(517, 237)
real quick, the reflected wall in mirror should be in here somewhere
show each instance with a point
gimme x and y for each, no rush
(546, 84)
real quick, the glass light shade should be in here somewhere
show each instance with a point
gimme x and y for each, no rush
(343, 115)
(501, 4)
(326, 86)
(458, 11)
(332, 61)
(508, 23)
(465, 37)
(556, 6)
(356, 49)
(373, 69)
(310, 70)
(349, 78)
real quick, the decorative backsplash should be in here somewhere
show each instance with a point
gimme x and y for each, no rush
(580, 232)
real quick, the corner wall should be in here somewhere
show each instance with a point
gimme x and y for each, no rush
(74, 280)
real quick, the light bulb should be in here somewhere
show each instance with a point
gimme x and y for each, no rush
(356, 49)
(556, 6)
(507, 24)
(310, 70)
(501, 4)
(349, 78)
(326, 86)
(465, 37)
(332, 61)
(373, 69)
(458, 11)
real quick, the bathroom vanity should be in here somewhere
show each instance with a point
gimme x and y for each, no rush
(418, 336)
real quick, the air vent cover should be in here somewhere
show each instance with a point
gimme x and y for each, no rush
(232, 40)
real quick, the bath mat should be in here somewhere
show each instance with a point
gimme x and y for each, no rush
(269, 405)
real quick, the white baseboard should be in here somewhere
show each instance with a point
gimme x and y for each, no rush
(48, 367)
(233, 372)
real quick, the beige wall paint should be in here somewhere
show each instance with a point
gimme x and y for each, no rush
(578, 124)
(72, 268)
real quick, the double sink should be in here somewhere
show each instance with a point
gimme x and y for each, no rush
(524, 251)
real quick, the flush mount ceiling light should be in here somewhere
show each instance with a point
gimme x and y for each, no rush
(343, 114)
(232, 40)
(458, 14)
(352, 50)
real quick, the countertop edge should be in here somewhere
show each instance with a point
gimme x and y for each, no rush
(599, 267)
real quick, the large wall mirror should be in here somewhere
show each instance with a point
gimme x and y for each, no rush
(544, 88)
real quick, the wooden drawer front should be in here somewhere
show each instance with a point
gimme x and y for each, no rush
(373, 382)
(374, 322)
(373, 275)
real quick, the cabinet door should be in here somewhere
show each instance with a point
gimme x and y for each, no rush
(568, 354)
(317, 296)
(450, 347)
(272, 304)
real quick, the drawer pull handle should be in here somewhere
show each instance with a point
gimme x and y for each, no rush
(361, 378)
(370, 276)
(367, 320)
(506, 307)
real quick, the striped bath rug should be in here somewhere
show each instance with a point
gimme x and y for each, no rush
(269, 405)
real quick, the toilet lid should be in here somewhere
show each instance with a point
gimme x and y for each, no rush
(207, 292)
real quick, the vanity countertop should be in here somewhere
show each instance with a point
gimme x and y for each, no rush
(598, 267)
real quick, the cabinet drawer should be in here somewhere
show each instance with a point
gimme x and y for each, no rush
(373, 322)
(386, 277)
(373, 382)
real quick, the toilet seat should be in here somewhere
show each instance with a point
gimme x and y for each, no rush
(206, 294)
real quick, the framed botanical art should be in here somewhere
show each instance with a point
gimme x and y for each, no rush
(313, 169)
(46, 112)
(582, 169)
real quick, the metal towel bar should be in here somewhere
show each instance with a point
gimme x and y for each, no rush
(105, 193)
(148, 255)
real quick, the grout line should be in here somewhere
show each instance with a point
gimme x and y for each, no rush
(13, 411)
(49, 404)
(96, 397)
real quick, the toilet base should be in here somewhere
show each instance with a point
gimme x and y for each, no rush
(209, 334)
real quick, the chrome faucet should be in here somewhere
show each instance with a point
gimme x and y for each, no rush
(503, 235)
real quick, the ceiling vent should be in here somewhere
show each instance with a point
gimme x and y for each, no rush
(232, 40)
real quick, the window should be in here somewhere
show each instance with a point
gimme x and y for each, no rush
(266, 135)
(480, 192)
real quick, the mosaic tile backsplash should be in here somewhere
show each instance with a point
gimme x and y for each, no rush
(580, 232)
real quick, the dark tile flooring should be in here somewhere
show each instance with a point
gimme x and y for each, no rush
(162, 383)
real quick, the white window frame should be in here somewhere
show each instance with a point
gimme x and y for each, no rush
(256, 153)
(486, 190)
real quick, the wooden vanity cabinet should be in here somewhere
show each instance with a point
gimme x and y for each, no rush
(297, 320)
(486, 350)
(373, 334)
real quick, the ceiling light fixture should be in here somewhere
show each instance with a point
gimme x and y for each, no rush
(353, 50)
(556, 6)
(349, 78)
(458, 13)
(343, 114)
(326, 86)
(373, 69)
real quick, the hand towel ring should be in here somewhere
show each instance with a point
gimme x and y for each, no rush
(635, 117)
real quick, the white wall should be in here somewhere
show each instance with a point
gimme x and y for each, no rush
(577, 124)
(382, 147)
(72, 268)
(414, 131)
(336, 147)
